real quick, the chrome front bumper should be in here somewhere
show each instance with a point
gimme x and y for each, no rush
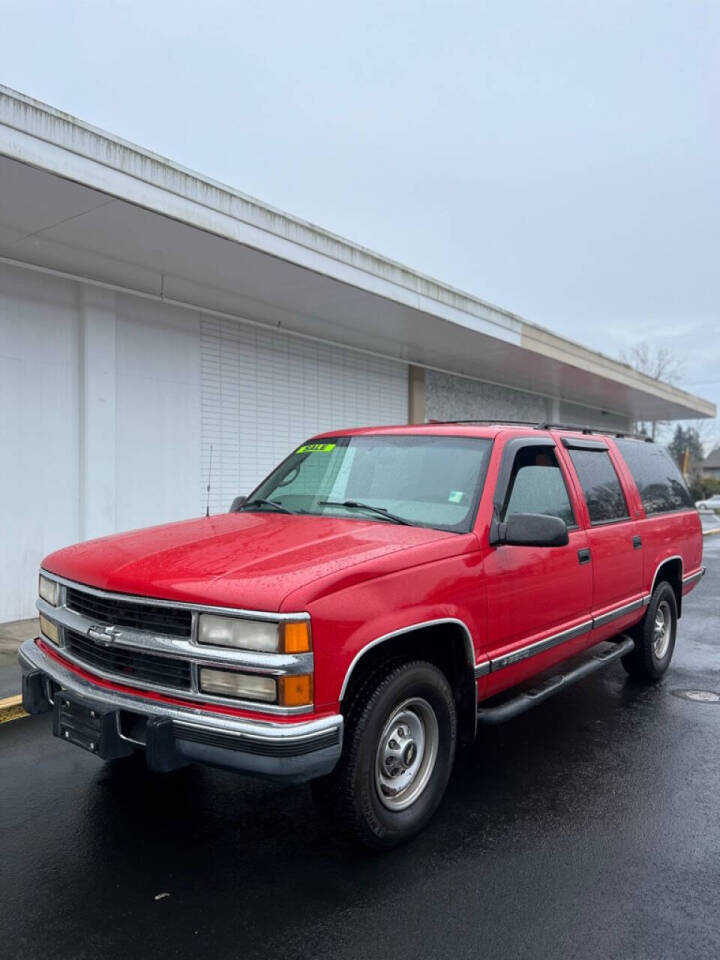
(172, 734)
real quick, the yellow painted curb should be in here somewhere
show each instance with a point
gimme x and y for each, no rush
(11, 709)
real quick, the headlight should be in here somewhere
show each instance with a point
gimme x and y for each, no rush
(244, 686)
(261, 635)
(48, 590)
(295, 691)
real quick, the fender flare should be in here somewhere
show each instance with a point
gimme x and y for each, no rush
(469, 645)
(646, 600)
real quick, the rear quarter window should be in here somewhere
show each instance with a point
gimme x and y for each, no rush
(659, 481)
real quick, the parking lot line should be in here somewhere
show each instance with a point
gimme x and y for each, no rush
(11, 709)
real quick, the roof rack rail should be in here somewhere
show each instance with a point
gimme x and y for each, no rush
(547, 425)
(500, 421)
(579, 428)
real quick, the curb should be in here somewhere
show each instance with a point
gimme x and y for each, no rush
(11, 708)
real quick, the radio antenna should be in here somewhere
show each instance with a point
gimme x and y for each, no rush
(207, 507)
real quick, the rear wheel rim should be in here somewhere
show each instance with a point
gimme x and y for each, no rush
(406, 754)
(662, 630)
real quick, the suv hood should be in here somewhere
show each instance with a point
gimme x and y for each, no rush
(248, 560)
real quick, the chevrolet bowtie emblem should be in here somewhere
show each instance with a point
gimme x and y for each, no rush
(104, 635)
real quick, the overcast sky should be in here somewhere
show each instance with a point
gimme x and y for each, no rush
(558, 159)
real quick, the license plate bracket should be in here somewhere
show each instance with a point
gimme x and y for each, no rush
(89, 726)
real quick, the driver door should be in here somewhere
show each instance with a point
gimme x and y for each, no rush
(539, 598)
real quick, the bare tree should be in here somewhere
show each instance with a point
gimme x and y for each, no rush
(707, 433)
(660, 363)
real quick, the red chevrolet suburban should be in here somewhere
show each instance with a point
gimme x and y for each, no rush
(379, 597)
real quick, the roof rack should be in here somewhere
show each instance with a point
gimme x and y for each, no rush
(547, 425)
(620, 434)
(500, 421)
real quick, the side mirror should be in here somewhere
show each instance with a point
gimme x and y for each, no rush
(237, 503)
(532, 530)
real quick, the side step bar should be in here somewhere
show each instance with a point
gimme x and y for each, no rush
(516, 706)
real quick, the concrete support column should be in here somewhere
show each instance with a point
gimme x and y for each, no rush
(97, 400)
(416, 394)
(552, 407)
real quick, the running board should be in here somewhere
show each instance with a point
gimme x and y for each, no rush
(516, 706)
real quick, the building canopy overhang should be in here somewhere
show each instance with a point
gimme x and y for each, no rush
(81, 203)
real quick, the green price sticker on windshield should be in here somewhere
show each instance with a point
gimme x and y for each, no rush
(316, 448)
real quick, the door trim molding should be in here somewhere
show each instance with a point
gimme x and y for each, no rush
(540, 646)
(618, 612)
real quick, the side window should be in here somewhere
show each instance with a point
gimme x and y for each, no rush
(658, 479)
(601, 486)
(537, 486)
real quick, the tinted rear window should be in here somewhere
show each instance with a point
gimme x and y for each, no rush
(603, 493)
(658, 479)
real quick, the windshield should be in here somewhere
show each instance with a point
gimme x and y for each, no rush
(429, 481)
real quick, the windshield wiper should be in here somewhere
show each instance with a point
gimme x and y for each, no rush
(262, 502)
(355, 505)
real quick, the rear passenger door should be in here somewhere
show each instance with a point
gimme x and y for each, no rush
(615, 545)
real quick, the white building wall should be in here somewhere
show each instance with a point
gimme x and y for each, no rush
(96, 373)
(39, 443)
(157, 465)
(264, 392)
(99, 420)
(109, 404)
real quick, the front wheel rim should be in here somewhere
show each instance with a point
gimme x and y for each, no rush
(662, 630)
(406, 754)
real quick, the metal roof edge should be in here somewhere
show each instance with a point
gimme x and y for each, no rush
(66, 132)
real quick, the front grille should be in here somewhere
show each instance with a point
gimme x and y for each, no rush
(170, 621)
(129, 664)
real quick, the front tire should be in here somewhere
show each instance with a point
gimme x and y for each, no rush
(654, 637)
(400, 738)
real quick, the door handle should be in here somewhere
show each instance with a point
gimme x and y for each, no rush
(584, 555)
(637, 543)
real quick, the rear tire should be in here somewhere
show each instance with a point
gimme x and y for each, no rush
(399, 747)
(654, 637)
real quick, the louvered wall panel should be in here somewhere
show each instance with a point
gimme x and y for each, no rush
(262, 393)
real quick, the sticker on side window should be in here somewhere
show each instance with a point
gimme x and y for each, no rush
(455, 496)
(316, 448)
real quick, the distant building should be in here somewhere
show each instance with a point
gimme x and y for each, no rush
(710, 467)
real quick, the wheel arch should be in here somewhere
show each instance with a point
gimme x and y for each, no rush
(671, 569)
(446, 641)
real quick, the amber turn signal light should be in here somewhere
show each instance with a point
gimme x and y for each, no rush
(296, 637)
(295, 691)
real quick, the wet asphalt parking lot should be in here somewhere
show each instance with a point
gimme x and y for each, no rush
(586, 828)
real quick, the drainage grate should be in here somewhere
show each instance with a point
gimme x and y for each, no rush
(698, 696)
